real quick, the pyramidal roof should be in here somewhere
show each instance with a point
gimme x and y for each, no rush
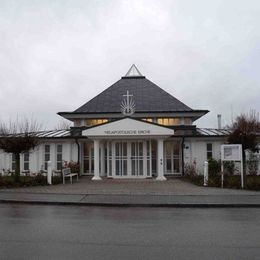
(148, 97)
(133, 72)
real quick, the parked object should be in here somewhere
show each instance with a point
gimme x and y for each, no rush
(66, 173)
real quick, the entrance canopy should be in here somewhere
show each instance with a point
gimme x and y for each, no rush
(128, 128)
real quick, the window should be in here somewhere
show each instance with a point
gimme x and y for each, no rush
(26, 161)
(13, 162)
(187, 121)
(59, 157)
(47, 156)
(168, 121)
(148, 119)
(160, 121)
(209, 151)
(91, 122)
(77, 122)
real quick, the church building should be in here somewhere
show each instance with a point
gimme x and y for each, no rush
(133, 129)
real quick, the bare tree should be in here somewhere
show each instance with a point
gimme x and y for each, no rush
(17, 137)
(63, 125)
(246, 131)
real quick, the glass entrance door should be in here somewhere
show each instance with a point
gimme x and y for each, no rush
(120, 159)
(129, 159)
(88, 158)
(172, 157)
(137, 158)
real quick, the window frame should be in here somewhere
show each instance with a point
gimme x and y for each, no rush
(26, 161)
(59, 160)
(46, 153)
(209, 151)
(13, 162)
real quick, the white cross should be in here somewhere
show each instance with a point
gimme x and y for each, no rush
(127, 99)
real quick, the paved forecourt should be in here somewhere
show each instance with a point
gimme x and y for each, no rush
(173, 186)
(171, 193)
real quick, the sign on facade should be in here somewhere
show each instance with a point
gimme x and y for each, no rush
(231, 152)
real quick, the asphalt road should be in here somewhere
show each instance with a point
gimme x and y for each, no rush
(58, 232)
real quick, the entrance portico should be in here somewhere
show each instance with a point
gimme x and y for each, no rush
(127, 148)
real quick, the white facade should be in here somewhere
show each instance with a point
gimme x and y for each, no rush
(98, 163)
(133, 129)
(38, 156)
(195, 150)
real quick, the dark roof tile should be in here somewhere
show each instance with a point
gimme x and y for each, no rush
(148, 97)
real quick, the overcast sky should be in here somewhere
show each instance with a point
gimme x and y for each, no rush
(56, 55)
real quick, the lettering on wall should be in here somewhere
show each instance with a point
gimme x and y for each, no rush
(127, 132)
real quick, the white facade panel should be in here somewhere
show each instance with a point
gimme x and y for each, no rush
(195, 151)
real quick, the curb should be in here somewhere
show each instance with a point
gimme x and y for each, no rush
(134, 205)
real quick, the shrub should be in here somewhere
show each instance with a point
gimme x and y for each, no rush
(74, 166)
(26, 181)
(252, 164)
(191, 174)
(214, 181)
(252, 182)
(229, 167)
(214, 167)
(7, 181)
(56, 180)
(189, 169)
(233, 182)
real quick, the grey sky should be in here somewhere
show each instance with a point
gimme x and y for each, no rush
(56, 55)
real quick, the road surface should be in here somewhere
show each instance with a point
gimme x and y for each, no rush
(64, 232)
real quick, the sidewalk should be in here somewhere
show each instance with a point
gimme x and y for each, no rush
(128, 193)
(133, 200)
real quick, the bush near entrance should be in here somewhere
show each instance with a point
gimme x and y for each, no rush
(27, 181)
(251, 182)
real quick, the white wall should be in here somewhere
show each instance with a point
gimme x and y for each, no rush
(195, 151)
(69, 152)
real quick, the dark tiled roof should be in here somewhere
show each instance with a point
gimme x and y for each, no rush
(148, 97)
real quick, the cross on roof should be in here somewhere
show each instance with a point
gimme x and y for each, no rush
(127, 96)
(128, 105)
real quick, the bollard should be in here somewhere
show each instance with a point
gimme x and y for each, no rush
(206, 173)
(49, 173)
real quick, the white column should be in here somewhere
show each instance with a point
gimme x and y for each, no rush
(145, 159)
(107, 162)
(102, 159)
(160, 168)
(113, 158)
(129, 161)
(96, 160)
